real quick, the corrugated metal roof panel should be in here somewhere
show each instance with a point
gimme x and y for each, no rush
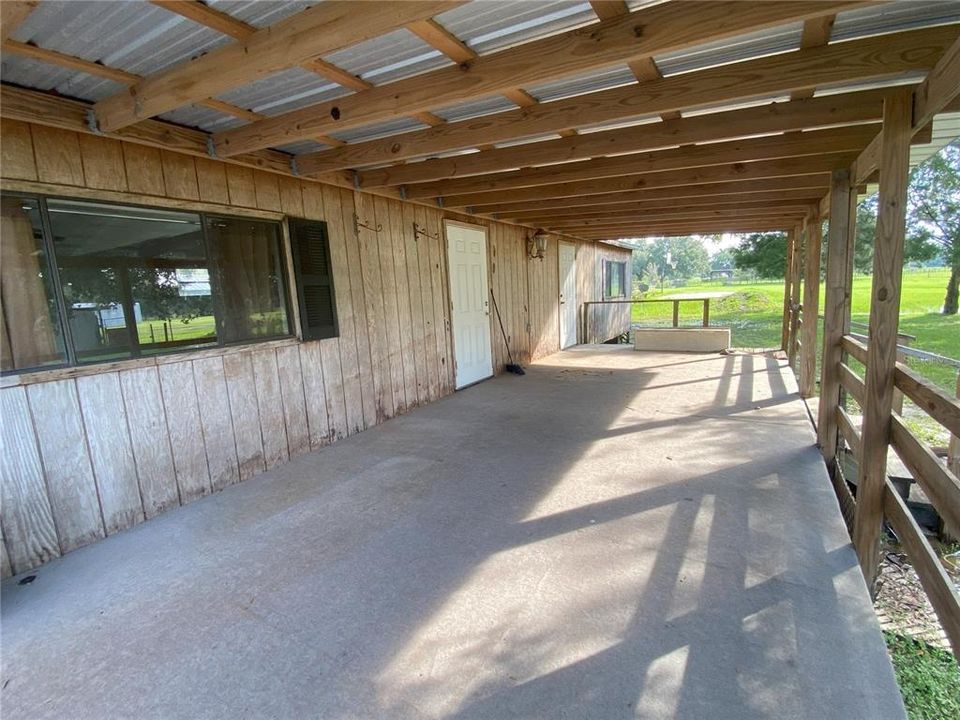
(725, 107)
(390, 57)
(384, 129)
(304, 146)
(285, 91)
(645, 120)
(908, 78)
(946, 129)
(894, 17)
(594, 81)
(743, 47)
(490, 26)
(260, 13)
(43, 76)
(203, 118)
(475, 108)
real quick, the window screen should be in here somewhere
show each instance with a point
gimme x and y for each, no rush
(614, 280)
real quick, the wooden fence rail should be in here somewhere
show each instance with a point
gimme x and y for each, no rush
(939, 483)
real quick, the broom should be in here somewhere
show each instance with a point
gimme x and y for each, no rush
(510, 367)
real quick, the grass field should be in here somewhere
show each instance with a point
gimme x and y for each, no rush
(754, 315)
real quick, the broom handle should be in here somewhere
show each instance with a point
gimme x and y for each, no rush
(502, 331)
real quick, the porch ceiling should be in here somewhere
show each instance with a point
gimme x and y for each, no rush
(481, 106)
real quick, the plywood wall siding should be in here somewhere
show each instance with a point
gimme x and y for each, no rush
(88, 452)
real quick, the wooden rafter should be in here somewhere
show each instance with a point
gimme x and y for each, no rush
(811, 113)
(812, 165)
(816, 142)
(761, 208)
(679, 215)
(855, 60)
(788, 187)
(816, 33)
(320, 29)
(681, 229)
(670, 26)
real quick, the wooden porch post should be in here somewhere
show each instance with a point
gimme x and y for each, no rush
(795, 273)
(836, 318)
(811, 307)
(787, 277)
(884, 322)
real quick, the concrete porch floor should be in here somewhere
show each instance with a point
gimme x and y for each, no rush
(614, 535)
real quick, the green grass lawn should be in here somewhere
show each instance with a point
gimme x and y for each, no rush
(754, 315)
(929, 678)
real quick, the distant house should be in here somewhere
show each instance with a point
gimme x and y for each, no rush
(721, 274)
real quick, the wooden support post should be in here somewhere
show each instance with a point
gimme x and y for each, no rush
(811, 307)
(787, 276)
(884, 322)
(676, 313)
(795, 272)
(706, 312)
(836, 317)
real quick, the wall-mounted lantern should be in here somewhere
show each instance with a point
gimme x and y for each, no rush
(537, 245)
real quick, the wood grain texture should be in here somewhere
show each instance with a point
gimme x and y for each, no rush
(273, 427)
(66, 462)
(811, 308)
(666, 27)
(807, 68)
(57, 153)
(884, 323)
(216, 421)
(212, 181)
(334, 396)
(241, 186)
(245, 413)
(292, 397)
(179, 175)
(291, 197)
(144, 169)
(186, 430)
(103, 165)
(267, 191)
(16, 151)
(111, 452)
(27, 518)
(150, 439)
(314, 393)
(391, 304)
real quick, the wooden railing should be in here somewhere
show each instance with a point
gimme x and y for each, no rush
(589, 320)
(939, 483)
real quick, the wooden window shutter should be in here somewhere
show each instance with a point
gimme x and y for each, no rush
(314, 279)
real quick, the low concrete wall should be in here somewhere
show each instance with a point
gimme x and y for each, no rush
(682, 339)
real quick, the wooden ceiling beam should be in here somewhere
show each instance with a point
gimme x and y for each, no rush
(761, 207)
(12, 15)
(794, 186)
(683, 229)
(816, 142)
(810, 113)
(320, 29)
(690, 215)
(661, 28)
(856, 60)
(816, 33)
(816, 164)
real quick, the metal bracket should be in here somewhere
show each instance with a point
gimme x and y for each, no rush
(211, 148)
(92, 122)
(293, 167)
(418, 230)
(403, 192)
(358, 223)
(439, 202)
(356, 180)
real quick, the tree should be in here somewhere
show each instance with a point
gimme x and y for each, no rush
(933, 217)
(677, 257)
(723, 260)
(763, 253)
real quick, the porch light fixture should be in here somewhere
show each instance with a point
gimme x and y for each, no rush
(537, 245)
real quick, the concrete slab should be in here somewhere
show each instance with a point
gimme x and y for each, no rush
(613, 535)
(698, 340)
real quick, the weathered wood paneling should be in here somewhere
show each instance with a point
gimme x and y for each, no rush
(28, 527)
(66, 463)
(216, 421)
(150, 439)
(108, 436)
(89, 456)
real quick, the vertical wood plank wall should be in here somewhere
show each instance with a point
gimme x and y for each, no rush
(88, 456)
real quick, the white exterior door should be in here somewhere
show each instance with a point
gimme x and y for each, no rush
(568, 295)
(470, 297)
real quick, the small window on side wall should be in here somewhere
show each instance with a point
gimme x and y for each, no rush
(314, 279)
(614, 280)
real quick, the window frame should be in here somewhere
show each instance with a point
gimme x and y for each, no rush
(621, 268)
(284, 259)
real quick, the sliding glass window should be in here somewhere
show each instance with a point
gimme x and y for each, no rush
(133, 282)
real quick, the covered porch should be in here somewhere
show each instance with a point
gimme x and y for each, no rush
(615, 534)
